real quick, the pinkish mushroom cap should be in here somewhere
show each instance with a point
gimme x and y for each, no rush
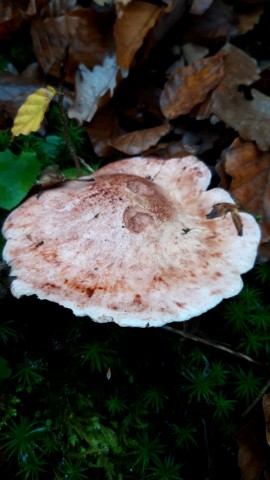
(132, 246)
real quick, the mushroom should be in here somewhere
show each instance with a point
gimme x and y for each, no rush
(131, 243)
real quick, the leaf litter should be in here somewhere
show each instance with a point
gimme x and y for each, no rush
(211, 105)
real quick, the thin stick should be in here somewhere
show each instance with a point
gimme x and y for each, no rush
(60, 97)
(189, 336)
(257, 399)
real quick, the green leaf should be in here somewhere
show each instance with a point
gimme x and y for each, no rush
(17, 175)
(5, 370)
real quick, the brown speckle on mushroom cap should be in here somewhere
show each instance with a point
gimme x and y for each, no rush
(133, 247)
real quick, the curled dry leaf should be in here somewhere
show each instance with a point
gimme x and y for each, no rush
(79, 30)
(189, 86)
(249, 117)
(131, 28)
(92, 86)
(266, 410)
(244, 171)
(137, 142)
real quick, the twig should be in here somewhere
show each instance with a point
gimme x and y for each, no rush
(211, 343)
(60, 97)
(256, 400)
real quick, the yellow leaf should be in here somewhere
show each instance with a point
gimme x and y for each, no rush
(31, 114)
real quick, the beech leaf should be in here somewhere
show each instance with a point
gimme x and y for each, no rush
(31, 114)
(79, 30)
(131, 28)
(190, 85)
(139, 141)
(250, 117)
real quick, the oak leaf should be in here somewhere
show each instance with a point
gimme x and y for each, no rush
(189, 86)
(131, 28)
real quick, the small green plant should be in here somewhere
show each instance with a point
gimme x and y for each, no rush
(185, 435)
(97, 355)
(23, 440)
(247, 384)
(145, 451)
(29, 374)
(166, 469)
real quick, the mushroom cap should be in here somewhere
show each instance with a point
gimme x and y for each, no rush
(131, 243)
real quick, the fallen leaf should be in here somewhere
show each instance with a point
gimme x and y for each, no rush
(15, 88)
(120, 6)
(266, 410)
(167, 150)
(189, 86)
(192, 52)
(247, 21)
(198, 7)
(251, 451)
(216, 22)
(102, 129)
(249, 117)
(79, 30)
(55, 8)
(131, 28)
(31, 114)
(245, 172)
(219, 21)
(139, 141)
(92, 86)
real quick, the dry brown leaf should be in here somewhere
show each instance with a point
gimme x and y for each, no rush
(55, 8)
(251, 451)
(15, 88)
(103, 128)
(198, 7)
(192, 52)
(247, 21)
(79, 30)
(14, 12)
(138, 142)
(167, 150)
(189, 86)
(219, 21)
(250, 118)
(130, 30)
(266, 410)
(245, 172)
(216, 22)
